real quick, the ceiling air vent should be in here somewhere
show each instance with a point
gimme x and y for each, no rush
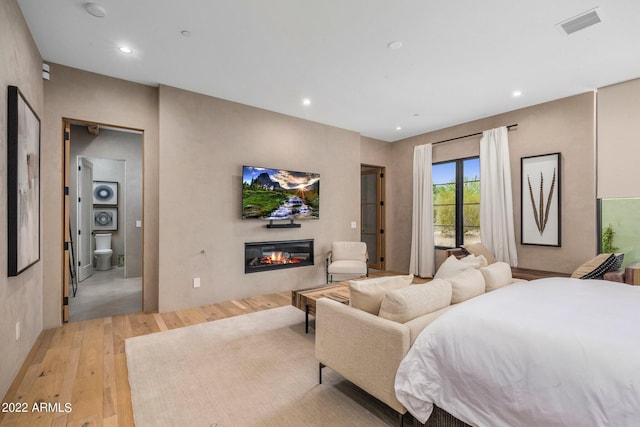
(580, 22)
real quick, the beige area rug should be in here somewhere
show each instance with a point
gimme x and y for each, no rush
(257, 369)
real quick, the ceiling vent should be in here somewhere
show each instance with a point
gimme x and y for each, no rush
(580, 22)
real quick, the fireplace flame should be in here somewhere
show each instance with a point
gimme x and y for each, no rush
(276, 257)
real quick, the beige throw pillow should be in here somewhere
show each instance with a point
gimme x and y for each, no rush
(496, 275)
(450, 267)
(480, 249)
(466, 285)
(475, 260)
(367, 294)
(402, 305)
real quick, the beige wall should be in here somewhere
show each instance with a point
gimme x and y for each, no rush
(81, 95)
(204, 142)
(21, 296)
(567, 126)
(374, 152)
(619, 140)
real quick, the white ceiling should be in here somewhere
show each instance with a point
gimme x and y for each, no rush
(460, 60)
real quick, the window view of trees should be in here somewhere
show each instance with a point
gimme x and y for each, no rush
(456, 202)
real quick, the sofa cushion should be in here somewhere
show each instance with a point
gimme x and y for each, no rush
(367, 294)
(451, 266)
(466, 285)
(496, 275)
(475, 260)
(418, 324)
(597, 266)
(402, 305)
(480, 249)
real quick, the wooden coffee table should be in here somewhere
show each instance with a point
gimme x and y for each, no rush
(305, 299)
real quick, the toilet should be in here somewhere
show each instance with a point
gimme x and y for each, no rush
(103, 252)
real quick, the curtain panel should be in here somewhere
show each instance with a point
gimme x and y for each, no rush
(497, 230)
(422, 247)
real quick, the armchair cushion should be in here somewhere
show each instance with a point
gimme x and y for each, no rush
(354, 251)
(404, 304)
(347, 266)
(367, 294)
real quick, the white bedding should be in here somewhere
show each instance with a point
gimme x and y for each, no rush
(550, 352)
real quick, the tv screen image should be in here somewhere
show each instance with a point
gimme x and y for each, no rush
(279, 194)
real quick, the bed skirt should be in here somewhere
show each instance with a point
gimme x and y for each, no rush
(441, 418)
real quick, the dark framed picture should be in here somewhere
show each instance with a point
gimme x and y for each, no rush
(540, 200)
(105, 193)
(105, 218)
(23, 183)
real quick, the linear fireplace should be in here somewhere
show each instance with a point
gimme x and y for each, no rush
(264, 256)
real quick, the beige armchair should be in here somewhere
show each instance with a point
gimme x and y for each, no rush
(347, 258)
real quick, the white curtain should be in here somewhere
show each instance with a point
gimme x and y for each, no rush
(497, 230)
(422, 250)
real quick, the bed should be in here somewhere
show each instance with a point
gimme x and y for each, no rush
(550, 352)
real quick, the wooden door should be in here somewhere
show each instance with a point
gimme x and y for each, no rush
(372, 214)
(66, 264)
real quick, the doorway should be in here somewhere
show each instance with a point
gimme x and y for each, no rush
(372, 213)
(103, 221)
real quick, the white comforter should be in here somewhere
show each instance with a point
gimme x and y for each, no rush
(550, 352)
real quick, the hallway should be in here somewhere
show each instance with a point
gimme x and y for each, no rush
(106, 293)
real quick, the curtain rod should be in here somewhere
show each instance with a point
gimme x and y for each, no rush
(470, 135)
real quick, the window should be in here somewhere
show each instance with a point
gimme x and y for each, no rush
(456, 202)
(619, 227)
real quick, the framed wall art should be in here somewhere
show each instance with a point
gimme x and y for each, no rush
(105, 193)
(105, 218)
(23, 183)
(540, 200)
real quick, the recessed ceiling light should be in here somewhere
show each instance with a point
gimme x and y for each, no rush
(95, 10)
(125, 49)
(516, 93)
(398, 127)
(306, 101)
(395, 45)
(416, 115)
(185, 33)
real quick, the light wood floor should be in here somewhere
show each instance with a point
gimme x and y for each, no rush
(84, 364)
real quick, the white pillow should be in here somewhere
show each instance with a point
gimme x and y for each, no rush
(402, 305)
(466, 285)
(367, 294)
(496, 275)
(475, 260)
(450, 267)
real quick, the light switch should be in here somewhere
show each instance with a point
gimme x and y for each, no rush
(138, 224)
(354, 225)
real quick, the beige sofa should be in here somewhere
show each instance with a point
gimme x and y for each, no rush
(366, 348)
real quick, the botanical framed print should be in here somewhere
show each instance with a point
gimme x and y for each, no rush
(540, 200)
(23, 183)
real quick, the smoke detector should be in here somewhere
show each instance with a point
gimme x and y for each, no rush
(95, 10)
(580, 22)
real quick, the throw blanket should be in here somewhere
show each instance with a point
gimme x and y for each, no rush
(550, 352)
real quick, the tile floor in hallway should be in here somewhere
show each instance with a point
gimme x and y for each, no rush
(106, 293)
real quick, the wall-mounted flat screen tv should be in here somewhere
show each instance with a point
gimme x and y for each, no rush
(279, 194)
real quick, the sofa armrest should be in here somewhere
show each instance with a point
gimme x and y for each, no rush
(363, 348)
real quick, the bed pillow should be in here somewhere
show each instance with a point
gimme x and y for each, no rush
(496, 275)
(480, 249)
(466, 285)
(367, 294)
(450, 267)
(597, 266)
(402, 305)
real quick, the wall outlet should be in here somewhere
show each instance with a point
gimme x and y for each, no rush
(196, 282)
(17, 330)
